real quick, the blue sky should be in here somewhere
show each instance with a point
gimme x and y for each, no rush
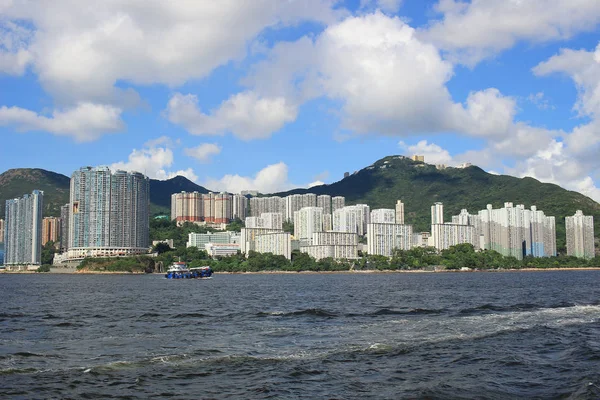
(271, 95)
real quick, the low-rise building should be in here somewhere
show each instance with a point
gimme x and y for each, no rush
(221, 249)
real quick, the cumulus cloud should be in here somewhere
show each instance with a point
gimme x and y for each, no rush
(471, 32)
(84, 122)
(154, 161)
(271, 179)
(246, 115)
(203, 152)
(315, 183)
(80, 53)
(433, 153)
(391, 6)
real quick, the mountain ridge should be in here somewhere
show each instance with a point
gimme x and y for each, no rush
(379, 185)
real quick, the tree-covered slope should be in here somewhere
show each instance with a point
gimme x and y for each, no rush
(419, 185)
(15, 183)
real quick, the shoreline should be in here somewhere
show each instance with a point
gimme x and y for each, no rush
(414, 271)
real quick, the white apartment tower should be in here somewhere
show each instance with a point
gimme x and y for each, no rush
(383, 238)
(23, 230)
(307, 221)
(383, 216)
(580, 235)
(437, 213)
(400, 212)
(109, 213)
(324, 201)
(337, 202)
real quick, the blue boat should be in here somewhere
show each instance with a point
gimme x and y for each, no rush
(179, 270)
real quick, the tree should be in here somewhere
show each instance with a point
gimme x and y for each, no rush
(161, 248)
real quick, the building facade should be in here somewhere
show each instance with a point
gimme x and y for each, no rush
(64, 228)
(200, 239)
(23, 230)
(580, 235)
(383, 216)
(1, 230)
(400, 212)
(383, 238)
(278, 243)
(308, 221)
(50, 230)
(109, 213)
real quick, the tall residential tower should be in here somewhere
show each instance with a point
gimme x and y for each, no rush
(23, 230)
(580, 235)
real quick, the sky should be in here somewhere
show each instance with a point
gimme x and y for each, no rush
(271, 95)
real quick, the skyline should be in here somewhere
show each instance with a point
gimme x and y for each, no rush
(301, 92)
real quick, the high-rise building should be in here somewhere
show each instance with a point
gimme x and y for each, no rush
(308, 221)
(293, 203)
(64, 228)
(23, 230)
(240, 207)
(437, 213)
(50, 230)
(1, 230)
(187, 206)
(278, 243)
(352, 219)
(338, 202)
(248, 237)
(223, 208)
(336, 245)
(109, 213)
(400, 212)
(383, 216)
(517, 232)
(580, 235)
(324, 201)
(444, 236)
(266, 220)
(383, 238)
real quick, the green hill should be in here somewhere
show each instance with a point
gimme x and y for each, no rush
(419, 185)
(17, 182)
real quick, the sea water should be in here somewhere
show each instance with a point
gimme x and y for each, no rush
(301, 336)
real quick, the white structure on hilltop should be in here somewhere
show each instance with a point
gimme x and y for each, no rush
(383, 216)
(108, 213)
(23, 230)
(278, 243)
(383, 238)
(580, 235)
(400, 212)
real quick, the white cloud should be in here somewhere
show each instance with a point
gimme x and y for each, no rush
(315, 183)
(540, 101)
(203, 152)
(473, 31)
(391, 6)
(154, 162)
(84, 122)
(271, 179)
(246, 115)
(80, 53)
(584, 68)
(433, 153)
(389, 82)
